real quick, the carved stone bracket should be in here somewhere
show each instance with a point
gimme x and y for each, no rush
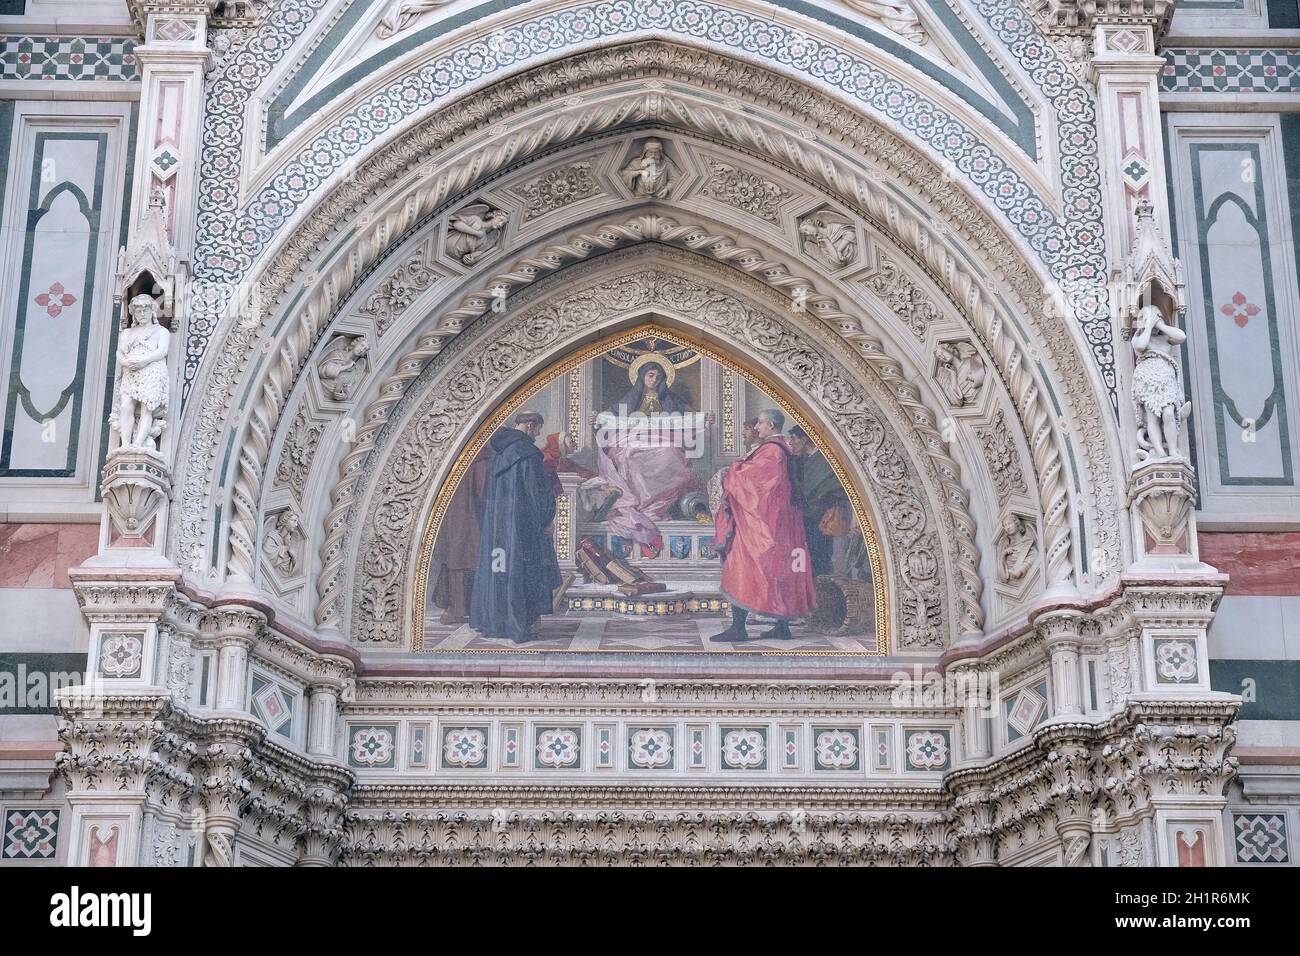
(1162, 499)
(136, 486)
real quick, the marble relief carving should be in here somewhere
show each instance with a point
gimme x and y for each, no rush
(1017, 547)
(959, 371)
(298, 451)
(911, 304)
(343, 366)
(283, 543)
(1003, 457)
(474, 232)
(650, 174)
(746, 190)
(829, 237)
(556, 189)
(403, 14)
(398, 290)
(894, 15)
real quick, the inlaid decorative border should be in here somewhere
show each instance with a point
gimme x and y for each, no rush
(1222, 70)
(80, 59)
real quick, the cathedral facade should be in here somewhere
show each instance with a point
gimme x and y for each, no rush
(649, 432)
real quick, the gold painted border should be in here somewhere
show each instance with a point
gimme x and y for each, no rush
(538, 382)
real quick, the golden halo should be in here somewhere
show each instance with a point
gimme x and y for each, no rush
(634, 370)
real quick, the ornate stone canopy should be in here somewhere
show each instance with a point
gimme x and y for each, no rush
(915, 263)
(893, 224)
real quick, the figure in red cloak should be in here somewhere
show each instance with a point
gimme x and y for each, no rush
(766, 567)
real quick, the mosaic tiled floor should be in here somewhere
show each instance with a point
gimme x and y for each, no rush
(594, 632)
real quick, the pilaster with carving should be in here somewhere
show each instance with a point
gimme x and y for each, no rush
(152, 274)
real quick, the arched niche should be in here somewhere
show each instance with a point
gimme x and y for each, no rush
(846, 562)
(376, 566)
(394, 189)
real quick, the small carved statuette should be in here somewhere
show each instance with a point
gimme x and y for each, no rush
(282, 541)
(894, 15)
(142, 379)
(1157, 391)
(959, 371)
(649, 175)
(1017, 548)
(402, 14)
(474, 232)
(830, 238)
(341, 368)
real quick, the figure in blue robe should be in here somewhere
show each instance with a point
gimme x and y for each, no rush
(517, 571)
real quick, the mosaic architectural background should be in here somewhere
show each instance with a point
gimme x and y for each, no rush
(1025, 274)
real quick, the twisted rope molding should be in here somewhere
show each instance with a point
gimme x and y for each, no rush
(883, 147)
(254, 453)
(720, 247)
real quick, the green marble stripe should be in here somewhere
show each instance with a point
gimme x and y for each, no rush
(1275, 686)
(1183, 354)
(1282, 14)
(6, 138)
(110, 378)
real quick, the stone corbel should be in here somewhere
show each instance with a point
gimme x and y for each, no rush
(225, 789)
(975, 818)
(324, 806)
(1069, 763)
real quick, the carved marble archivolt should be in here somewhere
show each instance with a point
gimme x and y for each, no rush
(357, 464)
(915, 236)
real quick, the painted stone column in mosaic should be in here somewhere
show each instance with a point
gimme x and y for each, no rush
(1126, 69)
(172, 62)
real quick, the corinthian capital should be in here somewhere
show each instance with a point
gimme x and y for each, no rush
(1082, 15)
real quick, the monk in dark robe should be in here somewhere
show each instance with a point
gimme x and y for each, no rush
(759, 532)
(823, 497)
(517, 572)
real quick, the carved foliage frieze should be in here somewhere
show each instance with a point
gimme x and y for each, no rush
(298, 451)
